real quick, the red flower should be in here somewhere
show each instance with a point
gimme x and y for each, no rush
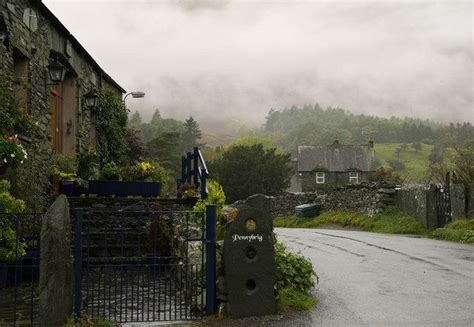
(29, 117)
(14, 138)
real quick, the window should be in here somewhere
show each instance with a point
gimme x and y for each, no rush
(30, 19)
(353, 177)
(320, 178)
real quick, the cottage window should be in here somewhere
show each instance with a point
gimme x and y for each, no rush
(320, 178)
(354, 177)
(30, 19)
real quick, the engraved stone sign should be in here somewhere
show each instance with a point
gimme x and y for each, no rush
(249, 258)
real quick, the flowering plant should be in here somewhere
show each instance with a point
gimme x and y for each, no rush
(12, 152)
(146, 172)
(28, 125)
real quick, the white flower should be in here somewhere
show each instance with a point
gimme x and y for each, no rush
(21, 162)
(5, 160)
(12, 155)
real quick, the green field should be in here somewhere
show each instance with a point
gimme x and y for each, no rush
(416, 162)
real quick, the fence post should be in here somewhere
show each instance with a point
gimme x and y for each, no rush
(196, 166)
(77, 262)
(203, 184)
(188, 167)
(183, 169)
(211, 213)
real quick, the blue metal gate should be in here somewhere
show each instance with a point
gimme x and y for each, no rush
(145, 265)
(19, 268)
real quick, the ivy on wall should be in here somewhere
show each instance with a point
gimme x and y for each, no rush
(111, 125)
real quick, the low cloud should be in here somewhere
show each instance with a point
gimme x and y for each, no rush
(231, 61)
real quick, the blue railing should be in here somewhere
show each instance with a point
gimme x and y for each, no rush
(193, 172)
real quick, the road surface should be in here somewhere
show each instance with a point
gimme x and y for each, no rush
(369, 279)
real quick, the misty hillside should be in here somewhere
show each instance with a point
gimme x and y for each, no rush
(312, 125)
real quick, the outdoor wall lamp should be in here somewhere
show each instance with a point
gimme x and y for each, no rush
(91, 99)
(56, 71)
(135, 94)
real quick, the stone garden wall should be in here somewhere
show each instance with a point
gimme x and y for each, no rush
(370, 198)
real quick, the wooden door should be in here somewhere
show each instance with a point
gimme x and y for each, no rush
(56, 103)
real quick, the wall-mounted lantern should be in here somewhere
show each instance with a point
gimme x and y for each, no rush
(91, 99)
(56, 71)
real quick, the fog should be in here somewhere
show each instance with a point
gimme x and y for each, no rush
(228, 62)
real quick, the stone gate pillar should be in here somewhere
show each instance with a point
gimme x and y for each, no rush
(56, 273)
(249, 259)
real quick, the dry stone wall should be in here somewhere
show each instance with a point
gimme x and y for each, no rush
(369, 198)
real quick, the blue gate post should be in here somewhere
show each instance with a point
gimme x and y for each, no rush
(204, 184)
(77, 262)
(196, 166)
(189, 157)
(211, 213)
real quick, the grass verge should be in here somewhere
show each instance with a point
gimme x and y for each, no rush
(294, 300)
(461, 230)
(391, 221)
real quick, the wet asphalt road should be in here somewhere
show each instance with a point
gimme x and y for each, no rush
(369, 279)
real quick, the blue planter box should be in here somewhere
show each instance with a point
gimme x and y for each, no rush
(124, 188)
(71, 189)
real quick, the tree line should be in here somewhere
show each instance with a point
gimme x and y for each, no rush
(313, 125)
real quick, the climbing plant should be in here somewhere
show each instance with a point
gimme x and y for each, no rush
(111, 123)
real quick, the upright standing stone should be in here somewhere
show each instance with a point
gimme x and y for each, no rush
(249, 258)
(56, 269)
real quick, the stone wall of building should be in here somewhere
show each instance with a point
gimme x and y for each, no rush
(369, 198)
(35, 37)
(307, 180)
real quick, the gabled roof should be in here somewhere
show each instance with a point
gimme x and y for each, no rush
(75, 43)
(335, 158)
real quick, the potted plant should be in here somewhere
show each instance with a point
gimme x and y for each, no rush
(142, 179)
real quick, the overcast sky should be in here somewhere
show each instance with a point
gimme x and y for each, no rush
(233, 60)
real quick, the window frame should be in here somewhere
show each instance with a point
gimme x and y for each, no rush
(354, 179)
(318, 178)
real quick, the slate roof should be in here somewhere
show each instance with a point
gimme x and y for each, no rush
(335, 158)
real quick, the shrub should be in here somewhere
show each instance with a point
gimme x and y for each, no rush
(385, 175)
(216, 196)
(8, 203)
(396, 165)
(10, 249)
(294, 271)
(159, 237)
(110, 172)
(12, 153)
(64, 166)
(145, 171)
(87, 165)
(461, 230)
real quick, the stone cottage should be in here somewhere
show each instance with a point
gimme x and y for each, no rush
(33, 42)
(48, 76)
(335, 164)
